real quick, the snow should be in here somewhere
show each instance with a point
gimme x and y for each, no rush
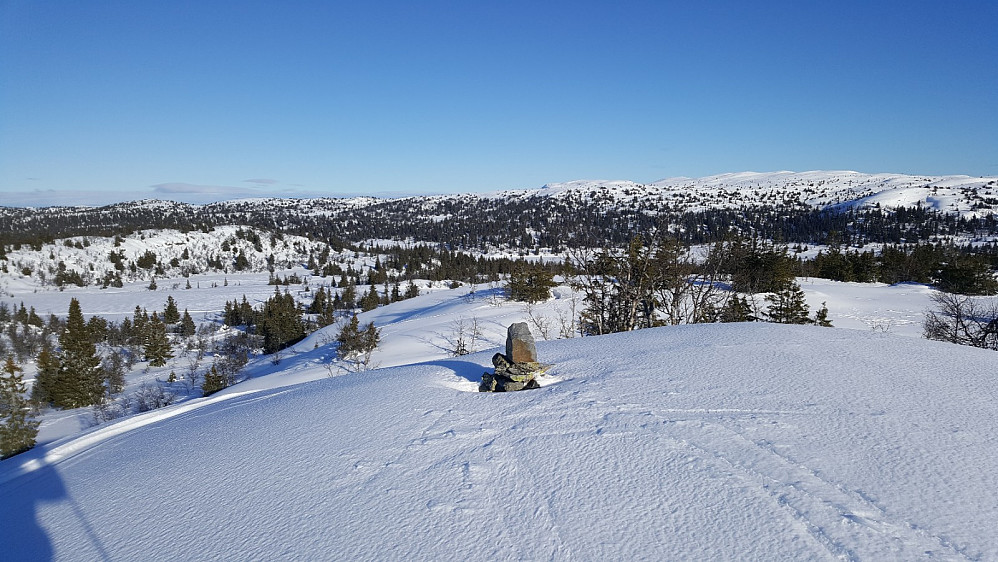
(750, 441)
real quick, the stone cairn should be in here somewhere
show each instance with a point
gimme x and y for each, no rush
(518, 368)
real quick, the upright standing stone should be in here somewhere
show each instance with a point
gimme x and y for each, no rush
(520, 347)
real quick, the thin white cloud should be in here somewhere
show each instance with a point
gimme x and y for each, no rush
(262, 181)
(173, 188)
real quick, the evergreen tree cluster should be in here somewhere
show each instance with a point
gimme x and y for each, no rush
(18, 427)
(530, 283)
(356, 343)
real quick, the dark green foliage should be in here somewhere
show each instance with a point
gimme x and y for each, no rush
(187, 327)
(157, 343)
(370, 300)
(239, 313)
(821, 317)
(787, 305)
(323, 308)
(241, 262)
(47, 378)
(530, 283)
(356, 342)
(17, 427)
(171, 315)
(114, 369)
(966, 275)
(349, 296)
(213, 382)
(737, 309)
(97, 327)
(147, 260)
(280, 322)
(81, 378)
(759, 266)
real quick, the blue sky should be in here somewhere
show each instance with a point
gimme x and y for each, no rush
(119, 100)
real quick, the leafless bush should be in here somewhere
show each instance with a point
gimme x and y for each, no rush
(540, 322)
(568, 320)
(192, 375)
(108, 410)
(464, 336)
(963, 320)
(151, 396)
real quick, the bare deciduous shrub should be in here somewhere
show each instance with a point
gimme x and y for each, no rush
(963, 320)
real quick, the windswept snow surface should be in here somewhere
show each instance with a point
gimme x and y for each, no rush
(750, 441)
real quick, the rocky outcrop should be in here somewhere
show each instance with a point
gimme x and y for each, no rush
(518, 368)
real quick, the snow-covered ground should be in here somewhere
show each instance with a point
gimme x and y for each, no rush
(750, 441)
(422, 329)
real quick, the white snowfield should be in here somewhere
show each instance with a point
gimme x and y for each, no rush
(706, 442)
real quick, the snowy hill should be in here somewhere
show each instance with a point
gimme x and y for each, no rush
(749, 441)
(820, 189)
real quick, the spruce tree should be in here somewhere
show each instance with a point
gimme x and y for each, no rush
(47, 378)
(737, 309)
(356, 343)
(281, 322)
(370, 300)
(213, 382)
(821, 317)
(157, 348)
(187, 327)
(171, 315)
(17, 427)
(81, 378)
(787, 305)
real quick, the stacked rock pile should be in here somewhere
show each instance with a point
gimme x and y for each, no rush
(518, 368)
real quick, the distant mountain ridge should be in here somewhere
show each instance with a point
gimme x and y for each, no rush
(792, 206)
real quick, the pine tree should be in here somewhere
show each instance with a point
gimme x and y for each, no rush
(187, 327)
(81, 379)
(157, 348)
(47, 378)
(281, 323)
(530, 284)
(171, 315)
(213, 382)
(370, 300)
(356, 343)
(411, 290)
(17, 428)
(821, 317)
(737, 309)
(787, 305)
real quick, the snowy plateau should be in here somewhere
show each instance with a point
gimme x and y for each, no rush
(747, 441)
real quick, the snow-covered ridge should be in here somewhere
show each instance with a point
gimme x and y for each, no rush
(794, 443)
(961, 194)
(177, 254)
(820, 189)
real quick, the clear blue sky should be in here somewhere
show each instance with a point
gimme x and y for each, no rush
(131, 99)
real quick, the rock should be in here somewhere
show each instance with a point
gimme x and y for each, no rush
(518, 368)
(520, 346)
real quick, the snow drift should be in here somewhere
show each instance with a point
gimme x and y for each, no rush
(750, 441)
